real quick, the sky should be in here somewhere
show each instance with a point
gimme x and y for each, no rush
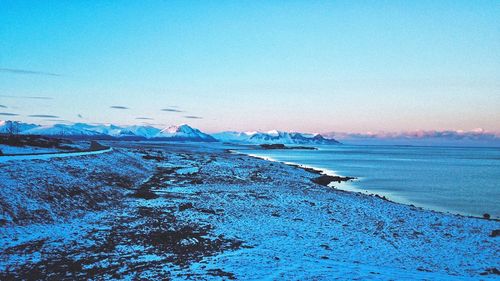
(311, 66)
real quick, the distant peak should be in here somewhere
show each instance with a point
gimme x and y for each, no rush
(184, 128)
(273, 132)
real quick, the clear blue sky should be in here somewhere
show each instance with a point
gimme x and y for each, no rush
(254, 65)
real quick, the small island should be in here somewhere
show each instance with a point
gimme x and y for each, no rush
(282, 146)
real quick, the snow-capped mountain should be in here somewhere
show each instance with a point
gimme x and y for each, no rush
(184, 133)
(108, 131)
(143, 131)
(173, 133)
(120, 132)
(274, 137)
(61, 130)
(133, 132)
(233, 136)
(15, 127)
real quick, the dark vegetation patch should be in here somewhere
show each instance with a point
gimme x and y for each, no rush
(158, 158)
(36, 141)
(162, 178)
(62, 144)
(25, 248)
(220, 273)
(114, 255)
(149, 154)
(144, 194)
(95, 146)
(112, 179)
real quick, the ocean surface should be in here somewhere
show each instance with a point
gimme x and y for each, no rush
(449, 179)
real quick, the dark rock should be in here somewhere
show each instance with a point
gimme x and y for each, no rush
(486, 216)
(207, 211)
(327, 179)
(420, 268)
(495, 233)
(144, 194)
(185, 206)
(490, 271)
(325, 246)
(381, 197)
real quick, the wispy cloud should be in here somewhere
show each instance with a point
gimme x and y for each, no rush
(171, 110)
(193, 117)
(144, 118)
(154, 124)
(28, 72)
(8, 114)
(79, 116)
(43, 116)
(3, 106)
(26, 97)
(118, 107)
(57, 120)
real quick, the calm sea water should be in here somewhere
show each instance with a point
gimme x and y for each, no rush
(449, 179)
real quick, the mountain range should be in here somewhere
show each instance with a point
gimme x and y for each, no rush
(273, 137)
(173, 133)
(477, 137)
(85, 131)
(14, 127)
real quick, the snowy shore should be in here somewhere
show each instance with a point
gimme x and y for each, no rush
(193, 211)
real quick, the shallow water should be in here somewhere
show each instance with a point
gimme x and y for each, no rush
(449, 179)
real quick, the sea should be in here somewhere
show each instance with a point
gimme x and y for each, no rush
(457, 180)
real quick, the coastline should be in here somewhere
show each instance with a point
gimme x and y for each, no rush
(216, 214)
(346, 187)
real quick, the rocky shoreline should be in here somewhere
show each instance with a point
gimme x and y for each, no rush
(326, 179)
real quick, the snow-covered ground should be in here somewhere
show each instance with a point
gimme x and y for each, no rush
(185, 211)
